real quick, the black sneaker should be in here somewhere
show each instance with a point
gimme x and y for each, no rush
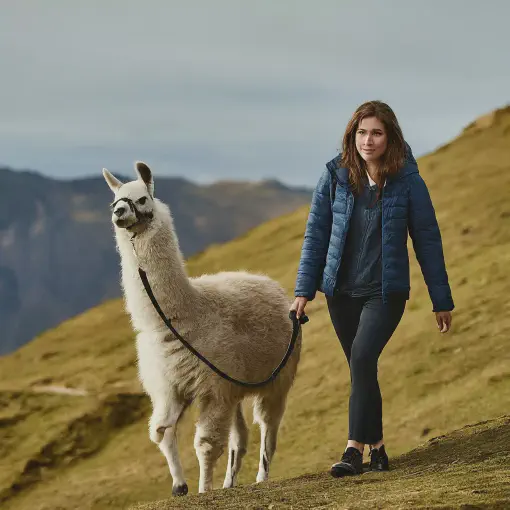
(378, 460)
(351, 464)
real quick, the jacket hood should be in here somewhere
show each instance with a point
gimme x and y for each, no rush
(342, 174)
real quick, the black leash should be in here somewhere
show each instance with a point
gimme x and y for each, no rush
(295, 330)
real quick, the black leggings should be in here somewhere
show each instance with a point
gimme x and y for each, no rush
(364, 326)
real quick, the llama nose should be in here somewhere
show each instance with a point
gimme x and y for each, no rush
(119, 211)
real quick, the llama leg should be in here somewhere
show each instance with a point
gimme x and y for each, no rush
(168, 447)
(238, 440)
(155, 376)
(168, 409)
(268, 413)
(210, 439)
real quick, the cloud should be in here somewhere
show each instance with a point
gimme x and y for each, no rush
(213, 90)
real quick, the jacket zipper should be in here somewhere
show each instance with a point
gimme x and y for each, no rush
(384, 300)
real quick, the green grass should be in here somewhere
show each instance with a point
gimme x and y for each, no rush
(431, 383)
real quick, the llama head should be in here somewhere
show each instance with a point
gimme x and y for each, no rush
(133, 205)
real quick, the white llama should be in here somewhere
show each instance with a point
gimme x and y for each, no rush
(237, 320)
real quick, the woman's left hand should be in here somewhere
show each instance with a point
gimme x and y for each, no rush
(444, 321)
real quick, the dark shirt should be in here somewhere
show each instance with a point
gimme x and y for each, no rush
(360, 272)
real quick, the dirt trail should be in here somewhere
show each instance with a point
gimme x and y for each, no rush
(61, 390)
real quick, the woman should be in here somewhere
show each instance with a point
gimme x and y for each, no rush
(355, 251)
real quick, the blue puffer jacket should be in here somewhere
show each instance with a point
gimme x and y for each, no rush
(406, 206)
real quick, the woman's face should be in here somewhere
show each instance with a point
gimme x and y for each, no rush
(371, 139)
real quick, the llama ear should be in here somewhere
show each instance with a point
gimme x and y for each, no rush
(111, 180)
(145, 174)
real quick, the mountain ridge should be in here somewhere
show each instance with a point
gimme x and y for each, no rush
(58, 252)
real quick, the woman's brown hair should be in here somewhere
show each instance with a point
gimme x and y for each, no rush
(394, 156)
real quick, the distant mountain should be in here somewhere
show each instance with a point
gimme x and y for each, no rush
(57, 252)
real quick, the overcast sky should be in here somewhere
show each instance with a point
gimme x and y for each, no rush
(232, 89)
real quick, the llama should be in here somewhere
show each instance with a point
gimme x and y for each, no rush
(237, 320)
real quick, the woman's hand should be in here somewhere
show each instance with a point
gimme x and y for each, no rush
(299, 306)
(444, 321)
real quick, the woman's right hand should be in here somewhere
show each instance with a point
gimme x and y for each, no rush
(299, 306)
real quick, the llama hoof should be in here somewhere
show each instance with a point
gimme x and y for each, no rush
(262, 477)
(180, 490)
(229, 484)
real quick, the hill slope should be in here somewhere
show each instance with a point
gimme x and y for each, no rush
(431, 383)
(468, 468)
(57, 255)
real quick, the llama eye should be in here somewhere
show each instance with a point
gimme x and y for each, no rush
(142, 200)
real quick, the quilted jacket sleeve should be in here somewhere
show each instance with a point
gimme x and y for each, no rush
(426, 237)
(316, 242)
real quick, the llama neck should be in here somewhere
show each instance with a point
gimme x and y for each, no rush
(157, 252)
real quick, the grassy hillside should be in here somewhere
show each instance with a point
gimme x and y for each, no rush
(468, 469)
(81, 376)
